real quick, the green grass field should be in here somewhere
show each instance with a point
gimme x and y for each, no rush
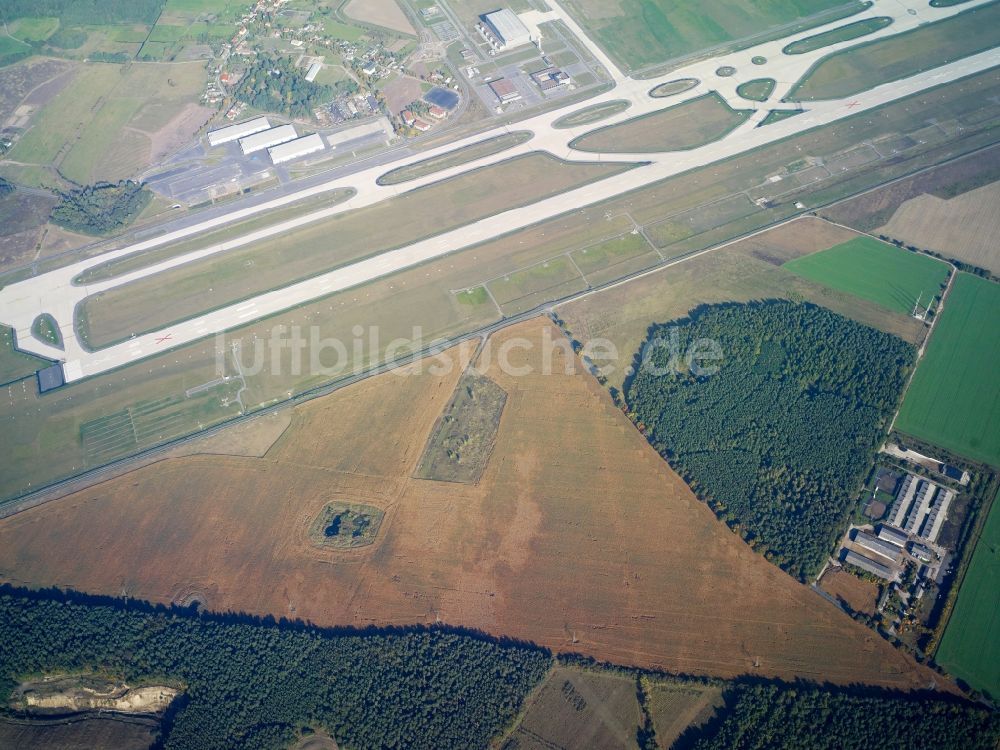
(970, 648)
(842, 34)
(953, 400)
(865, 66)
(33, 29)
(641, 33)
(875, 271)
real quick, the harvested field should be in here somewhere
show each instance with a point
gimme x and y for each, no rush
(689, 125)
(857, 594)
(385, 13)
(579, 709)
(746, 270)
(81, 734)
(675, 706)
(964, 227)
(459, 447)
(562, 541)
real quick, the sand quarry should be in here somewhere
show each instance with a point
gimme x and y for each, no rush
(578, 536)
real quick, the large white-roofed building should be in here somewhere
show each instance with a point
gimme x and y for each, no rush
(239, 130)
(307, 144)
(503, 30)
(267, 138)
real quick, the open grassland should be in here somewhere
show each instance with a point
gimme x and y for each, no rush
(862, 67)
(965, 227)
(177, 294)
(641, 33)
(953, 400)
(43, 436)
(757, 90)
(875, 208)
(747, 270)
(842, 34)
(874, 270)
(14, 364)
(579, 709)
(970, 648)
(561, 542)
(674, 707)
(111, 122)
(455, 158)
(689, 125)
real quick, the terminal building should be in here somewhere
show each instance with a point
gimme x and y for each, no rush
(297, 148)
(502, 30)
(267, 138)
(237, 131)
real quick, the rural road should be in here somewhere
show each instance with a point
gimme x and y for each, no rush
(56, 293)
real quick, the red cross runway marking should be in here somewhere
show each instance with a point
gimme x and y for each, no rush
(855, 103)
(163, 338)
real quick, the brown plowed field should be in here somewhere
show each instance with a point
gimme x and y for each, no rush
(578, 536)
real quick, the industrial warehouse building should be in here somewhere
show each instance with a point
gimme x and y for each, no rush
(505, 90)
(307, 144)
(313, 71)
(380, 127)
(920, 507)
(895, 536)
(267, 138)
(237, 131)
(502, 29)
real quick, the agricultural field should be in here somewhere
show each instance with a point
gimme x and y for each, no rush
(952, 401)
(858, 594)
(179, 293)
(641, 33)
(964, 227)
(517, 554)
(384, 13)
(865, 66)
(874, 270)
(579, 709)
(111, 122)
(96, 733)
(970, 648)
(676, 706)
(689, 125)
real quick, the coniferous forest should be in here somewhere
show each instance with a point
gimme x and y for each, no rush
(778, 439)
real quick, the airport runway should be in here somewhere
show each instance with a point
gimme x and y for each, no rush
(56, 293)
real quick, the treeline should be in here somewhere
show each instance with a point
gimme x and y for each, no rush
(274, 84)
(249, 685)
(101, 208)
(779, 439)
(805, 717)
(84, 12)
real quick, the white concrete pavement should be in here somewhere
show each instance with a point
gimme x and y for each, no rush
(56, 292)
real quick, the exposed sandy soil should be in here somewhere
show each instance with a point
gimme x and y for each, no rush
(578, 536)
(859, 595)
(385, 13)
(965, 227)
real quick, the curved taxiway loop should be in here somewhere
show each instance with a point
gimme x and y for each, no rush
(56, 293)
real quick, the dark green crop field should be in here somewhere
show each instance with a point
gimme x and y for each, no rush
(876, 271)
(954, 400)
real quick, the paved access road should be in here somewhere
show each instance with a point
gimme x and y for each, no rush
(56, 293)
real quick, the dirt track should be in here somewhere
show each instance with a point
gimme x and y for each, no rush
(578, 537)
